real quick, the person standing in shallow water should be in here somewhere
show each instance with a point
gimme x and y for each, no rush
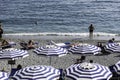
(1, 30)
(91, 29)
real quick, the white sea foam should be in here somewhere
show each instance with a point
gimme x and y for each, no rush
(61, 34)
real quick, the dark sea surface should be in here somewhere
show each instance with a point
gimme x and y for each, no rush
(60, 16)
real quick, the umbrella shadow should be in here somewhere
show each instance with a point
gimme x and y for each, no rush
(117, 56)
(103, 53)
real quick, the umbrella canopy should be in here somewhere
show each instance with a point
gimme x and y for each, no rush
(117, 67)
(4, 76)
(38, 72)
(91, 71)
(85, 49)
(51, 50)
(112, 47)
(12, 53)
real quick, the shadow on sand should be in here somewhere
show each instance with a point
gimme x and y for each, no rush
(103, 53)
(117, 56)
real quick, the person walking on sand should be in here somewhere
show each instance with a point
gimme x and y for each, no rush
(91, 29)
(1, 31)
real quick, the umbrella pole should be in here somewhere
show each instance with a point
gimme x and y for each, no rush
(50, 60)
(11, 66)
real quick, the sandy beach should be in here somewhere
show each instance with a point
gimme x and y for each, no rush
(64, 61)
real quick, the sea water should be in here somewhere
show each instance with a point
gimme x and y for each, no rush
(61, 17)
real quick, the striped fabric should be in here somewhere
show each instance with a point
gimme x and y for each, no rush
(51, 51)
(91, 71)
(112, 47)
(12, 53)
(117, 67)
(85, 49)
(37, 72)
(3, 76)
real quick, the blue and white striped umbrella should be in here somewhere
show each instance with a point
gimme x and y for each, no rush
(51, 50)
(38, 72)
(117, 67)
(4, 76)
(112, 47)
(91, 71)
(85, 49)
(12, 53)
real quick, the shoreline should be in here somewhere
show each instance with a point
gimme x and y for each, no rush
(64, 34)
(50, 36)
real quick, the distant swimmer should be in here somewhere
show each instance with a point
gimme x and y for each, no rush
(91, 29)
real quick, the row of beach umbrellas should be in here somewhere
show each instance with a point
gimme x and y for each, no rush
(82, 71)
(78, 49)
(50, 50)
